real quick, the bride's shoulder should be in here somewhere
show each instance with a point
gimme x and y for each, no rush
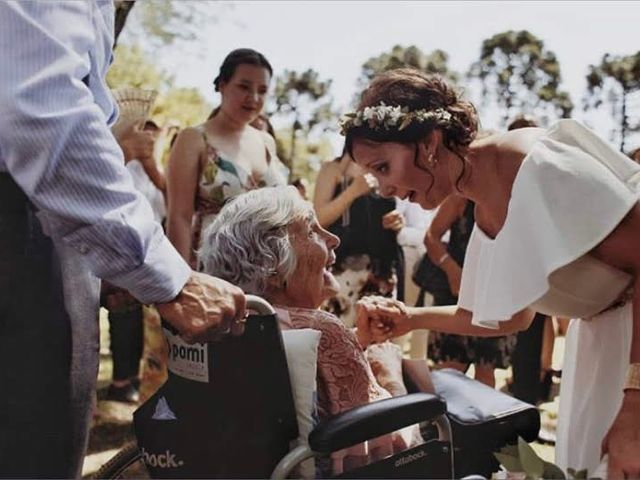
(518, 142)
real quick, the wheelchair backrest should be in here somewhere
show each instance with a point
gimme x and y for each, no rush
(226, 410)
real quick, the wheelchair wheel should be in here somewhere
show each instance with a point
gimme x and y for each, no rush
(127, 463)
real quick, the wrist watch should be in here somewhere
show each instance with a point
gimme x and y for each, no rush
(632, 380)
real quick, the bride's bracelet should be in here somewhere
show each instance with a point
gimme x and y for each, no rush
(632, 380)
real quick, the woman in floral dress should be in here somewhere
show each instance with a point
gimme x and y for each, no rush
(224, 156)
(210, 164)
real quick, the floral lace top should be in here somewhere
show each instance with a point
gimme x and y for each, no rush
(345, 380)
(222, 179)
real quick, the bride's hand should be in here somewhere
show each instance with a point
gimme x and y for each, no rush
(622, 442)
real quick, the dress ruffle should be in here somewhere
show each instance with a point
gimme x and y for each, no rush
(571, 191)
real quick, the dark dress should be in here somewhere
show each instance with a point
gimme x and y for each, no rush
(445, 347)
(369, 260)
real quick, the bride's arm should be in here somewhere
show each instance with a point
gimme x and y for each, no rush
(380, 318)
(455, 320)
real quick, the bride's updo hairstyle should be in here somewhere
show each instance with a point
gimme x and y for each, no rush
(416, 91)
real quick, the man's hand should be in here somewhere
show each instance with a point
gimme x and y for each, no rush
(622, 442)
(205, 309)
(380, 318)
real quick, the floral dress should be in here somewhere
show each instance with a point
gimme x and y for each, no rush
(222, 179)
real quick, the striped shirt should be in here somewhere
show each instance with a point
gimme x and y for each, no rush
(55, 142)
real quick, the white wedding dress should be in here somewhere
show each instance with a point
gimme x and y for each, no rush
(571, 191)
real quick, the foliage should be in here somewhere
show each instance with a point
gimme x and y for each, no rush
(182, 106)
(303, 98)
(613, 80)
(308, 156)
(160, 23)
(521, 75)
(521, 458)
(399, 56)
(131, 68)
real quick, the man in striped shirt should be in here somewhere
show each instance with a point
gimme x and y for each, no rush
(69, 214)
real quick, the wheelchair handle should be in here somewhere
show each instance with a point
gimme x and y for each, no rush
(259, 305)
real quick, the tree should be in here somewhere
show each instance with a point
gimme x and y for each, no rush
(131, 68)
(521, 75)
(182, 106)
(309, 154)
(123, 9)
(163, 22)
(614, 80)
(303, 98)
(399, 56)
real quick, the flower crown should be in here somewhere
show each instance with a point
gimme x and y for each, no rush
(387, 117)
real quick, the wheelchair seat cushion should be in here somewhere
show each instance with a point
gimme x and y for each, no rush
(481, 415)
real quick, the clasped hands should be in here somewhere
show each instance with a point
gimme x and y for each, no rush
(380, 318)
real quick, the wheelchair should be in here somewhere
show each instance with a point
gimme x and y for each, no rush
(229, 413)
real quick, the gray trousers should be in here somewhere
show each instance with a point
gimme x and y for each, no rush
(49, 346)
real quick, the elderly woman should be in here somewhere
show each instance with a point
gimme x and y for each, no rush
(269, 243)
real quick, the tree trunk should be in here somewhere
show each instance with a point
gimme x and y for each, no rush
(625, 120)
(123, 9)
(293, 149)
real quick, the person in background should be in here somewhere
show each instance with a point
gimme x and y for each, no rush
(369, 258)
(125, 314)
(302, 186)
(410, 238)
(455, 215)
(223, 157)
(70, 215)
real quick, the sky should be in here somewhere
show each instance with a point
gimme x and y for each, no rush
(335, 38)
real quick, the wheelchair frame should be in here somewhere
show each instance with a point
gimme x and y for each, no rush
(498, 414)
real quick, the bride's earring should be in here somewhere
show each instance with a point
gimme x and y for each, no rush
(432, 161)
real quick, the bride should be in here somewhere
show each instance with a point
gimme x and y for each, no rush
(557, 232)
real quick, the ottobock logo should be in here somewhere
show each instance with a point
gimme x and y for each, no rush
(410, 458)
(188, 361)
(161, 460)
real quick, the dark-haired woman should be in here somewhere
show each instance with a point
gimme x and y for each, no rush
(557, 231)
(223, 157)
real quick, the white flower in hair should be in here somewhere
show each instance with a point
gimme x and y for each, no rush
(395, 115)
(368, 113)
(385, 117)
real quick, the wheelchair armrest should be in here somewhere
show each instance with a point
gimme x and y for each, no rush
(373, 420)
(481, 415)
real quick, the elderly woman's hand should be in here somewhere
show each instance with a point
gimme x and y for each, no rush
(394, 221)
(381, 318)
(622, 442)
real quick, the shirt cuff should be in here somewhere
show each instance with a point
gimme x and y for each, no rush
(160, 278)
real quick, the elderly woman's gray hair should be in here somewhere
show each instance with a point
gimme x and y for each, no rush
(248, 242)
